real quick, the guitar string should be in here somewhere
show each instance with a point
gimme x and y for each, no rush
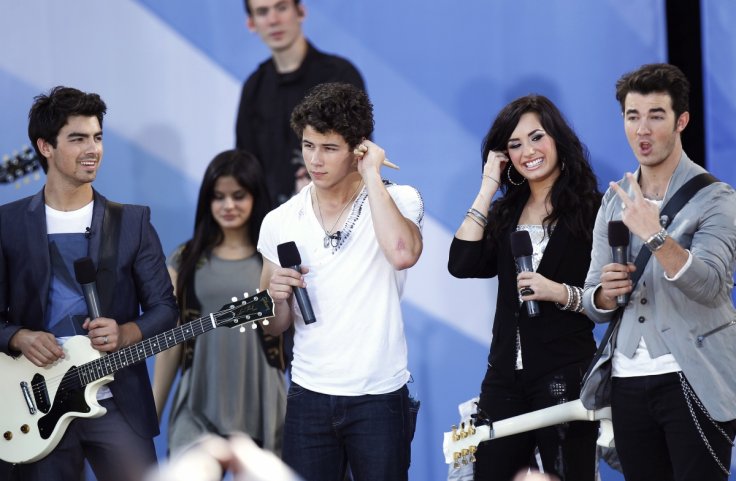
(93, 367)
(58, 382)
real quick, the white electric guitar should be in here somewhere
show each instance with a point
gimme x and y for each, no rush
(460, 445)
(37, 404)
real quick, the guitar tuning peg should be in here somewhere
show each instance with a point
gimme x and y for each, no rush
(265, 322)
(258, 290)
(245, 295)
(455, 435)
(233, 299)
(254, 326)
(456, 460)
(242, 328)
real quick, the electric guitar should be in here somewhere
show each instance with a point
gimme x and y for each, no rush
(20, 164)
(38, 404)
(460, 445)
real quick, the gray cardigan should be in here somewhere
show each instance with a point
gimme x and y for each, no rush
(692, 317)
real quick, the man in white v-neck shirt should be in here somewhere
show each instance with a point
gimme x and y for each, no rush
(356, 235)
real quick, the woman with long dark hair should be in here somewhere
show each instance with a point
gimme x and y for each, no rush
(227, 383)
(548, 190)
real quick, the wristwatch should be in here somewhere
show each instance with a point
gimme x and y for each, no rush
(656, 242)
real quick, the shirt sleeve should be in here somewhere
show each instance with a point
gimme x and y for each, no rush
(267, 239)
(409, 202)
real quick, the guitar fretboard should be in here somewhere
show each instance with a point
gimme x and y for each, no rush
(130, 355)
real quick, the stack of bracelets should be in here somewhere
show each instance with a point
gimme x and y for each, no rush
(574, 299)
(477, 217)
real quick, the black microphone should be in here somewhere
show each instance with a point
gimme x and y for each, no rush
(289, 258)
(618, 239)
(84, 270)
(521, 249)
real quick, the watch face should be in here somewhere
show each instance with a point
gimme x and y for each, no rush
(657, 240)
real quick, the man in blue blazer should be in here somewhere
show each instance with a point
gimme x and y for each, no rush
(42, 305)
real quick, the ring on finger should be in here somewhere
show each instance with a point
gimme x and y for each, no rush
(104, 340)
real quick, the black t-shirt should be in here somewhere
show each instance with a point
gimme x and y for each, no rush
(266, 103)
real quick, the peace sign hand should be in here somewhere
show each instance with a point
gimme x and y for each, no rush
(640, 215)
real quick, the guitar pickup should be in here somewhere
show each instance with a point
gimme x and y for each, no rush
(28, 397)
(40, 393)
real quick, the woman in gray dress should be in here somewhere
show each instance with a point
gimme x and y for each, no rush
(227, 383)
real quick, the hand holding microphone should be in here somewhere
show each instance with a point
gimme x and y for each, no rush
(521, 249)
(103, 332)
(618, 239)
(289, 258)
(84, 271)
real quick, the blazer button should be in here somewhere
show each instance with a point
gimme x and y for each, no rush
(641, 319)
(644, 300)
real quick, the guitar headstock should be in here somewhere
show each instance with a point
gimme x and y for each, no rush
(19, 165)
(460, 445)
(239, 312)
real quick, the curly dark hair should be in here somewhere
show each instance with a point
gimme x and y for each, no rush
(575, 196)
(50, 112)
(656, 78)
(335, 107)
(247, 171)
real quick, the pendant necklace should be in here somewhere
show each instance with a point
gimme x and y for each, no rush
(332, 237)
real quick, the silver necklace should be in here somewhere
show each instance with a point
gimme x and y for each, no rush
(331, 237)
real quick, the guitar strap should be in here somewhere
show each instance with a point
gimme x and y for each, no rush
(667, 214)
(111, 225)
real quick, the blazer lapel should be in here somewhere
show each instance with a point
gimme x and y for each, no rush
(95, 239)
(551, 258)
(38, 252)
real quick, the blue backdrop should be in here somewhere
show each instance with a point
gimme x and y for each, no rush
(437, 72)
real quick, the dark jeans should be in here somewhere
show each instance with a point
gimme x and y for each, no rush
(323, 433)
(567, 450)
(656, 437)
(113, 449)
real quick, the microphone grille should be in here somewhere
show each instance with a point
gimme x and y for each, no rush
(288, 254)
(521, 244)
(618, 233)
(84, 270)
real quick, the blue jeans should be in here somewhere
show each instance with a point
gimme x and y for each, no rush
(324, 433)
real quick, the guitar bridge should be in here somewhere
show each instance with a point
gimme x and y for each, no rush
(28, 397)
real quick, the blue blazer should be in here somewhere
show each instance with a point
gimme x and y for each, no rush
(141, 284)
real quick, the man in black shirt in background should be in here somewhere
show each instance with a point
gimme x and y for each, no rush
(277, 86)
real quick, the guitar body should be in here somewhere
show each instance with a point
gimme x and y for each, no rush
(38, 404)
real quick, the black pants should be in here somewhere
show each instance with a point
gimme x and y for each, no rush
(567, 450)
(656, 436)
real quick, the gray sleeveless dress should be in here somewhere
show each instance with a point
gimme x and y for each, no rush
(230, 386)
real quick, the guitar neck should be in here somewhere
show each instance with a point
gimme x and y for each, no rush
(146, 348)
(542, 418)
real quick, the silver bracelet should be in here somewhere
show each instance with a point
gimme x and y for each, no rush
(474, 219)
(477, 215)
(494, 180)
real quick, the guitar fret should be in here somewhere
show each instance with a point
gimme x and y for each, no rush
(229, 315)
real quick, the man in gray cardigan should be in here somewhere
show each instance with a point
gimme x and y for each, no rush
(673, 355)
